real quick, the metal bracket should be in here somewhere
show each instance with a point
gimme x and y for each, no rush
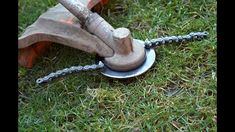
(60, 26)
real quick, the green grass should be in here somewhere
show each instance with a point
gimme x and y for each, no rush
(177, 94)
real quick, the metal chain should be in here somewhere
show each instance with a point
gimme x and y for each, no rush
(175, 39)
(148, 44)
(73, 69)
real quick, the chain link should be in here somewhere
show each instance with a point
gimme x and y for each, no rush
(73, 69)
(175, 39)
(148, 44)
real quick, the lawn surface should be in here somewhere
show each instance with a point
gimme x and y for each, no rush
(177, 94)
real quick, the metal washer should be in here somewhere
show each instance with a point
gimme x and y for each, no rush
(149, 61)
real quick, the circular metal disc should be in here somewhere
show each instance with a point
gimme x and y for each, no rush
(150, 59)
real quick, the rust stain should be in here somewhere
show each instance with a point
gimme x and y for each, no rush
(68, 21)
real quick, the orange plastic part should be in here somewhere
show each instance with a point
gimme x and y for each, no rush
(28, 56)
(104, 1)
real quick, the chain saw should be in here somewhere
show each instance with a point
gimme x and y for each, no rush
(72, 23)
